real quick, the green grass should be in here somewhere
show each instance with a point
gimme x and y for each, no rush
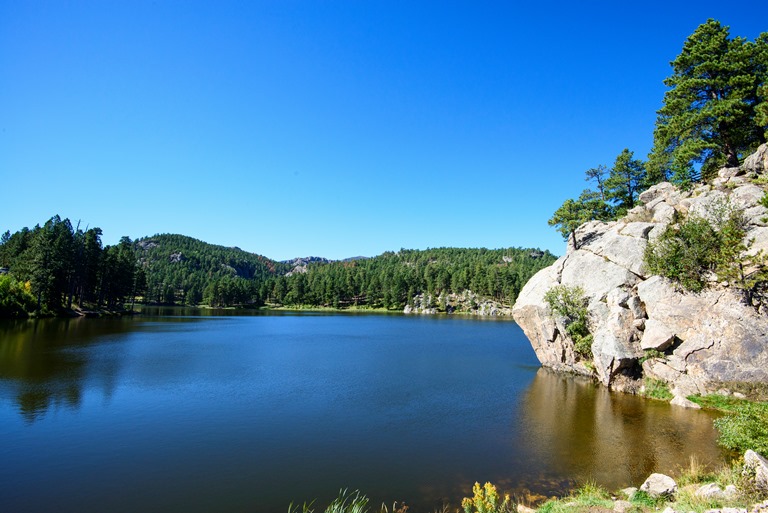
(745, 425)
(346, 502)
(644, 501)
(584, 498)
(745, 428)
(656, 389)
(718, 402)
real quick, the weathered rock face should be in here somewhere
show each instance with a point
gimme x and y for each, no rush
(706, 339)
(466, 302)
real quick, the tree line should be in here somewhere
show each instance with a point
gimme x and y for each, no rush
(393, 279)
(56, 267)
(51, 267)
(714, 113)
(183, 270)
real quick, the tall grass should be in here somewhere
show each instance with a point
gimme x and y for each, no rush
(346, 502)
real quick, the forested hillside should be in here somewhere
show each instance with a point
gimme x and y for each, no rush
(180, 269)
(391, 280)
(56, 266)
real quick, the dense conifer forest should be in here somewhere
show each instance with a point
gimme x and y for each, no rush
(59, 267)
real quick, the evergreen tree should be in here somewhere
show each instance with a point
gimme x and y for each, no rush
(4, 249)
(709, 113)
(598, 174)
(573, 213)
(624, 183)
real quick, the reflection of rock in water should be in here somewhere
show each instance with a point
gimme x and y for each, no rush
(581, 431)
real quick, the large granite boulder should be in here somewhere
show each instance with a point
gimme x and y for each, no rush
(699, 341)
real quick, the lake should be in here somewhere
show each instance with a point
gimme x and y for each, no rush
(215, 411)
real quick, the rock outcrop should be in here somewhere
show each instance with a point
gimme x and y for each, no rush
(466, 302)
(697, 341)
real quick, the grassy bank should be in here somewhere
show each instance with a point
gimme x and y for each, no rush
(737, 491)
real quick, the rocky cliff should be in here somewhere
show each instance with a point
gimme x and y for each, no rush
(643, 325)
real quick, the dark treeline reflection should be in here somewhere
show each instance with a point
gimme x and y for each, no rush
(587, 432)
(43, 362)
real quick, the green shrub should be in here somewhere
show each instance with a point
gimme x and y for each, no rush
(764, 200)
(656, 389)
(570, 303)
(16, 299)
(685, 254)
(486, 499)
(698, 248)
(650, 354)
(745, 428)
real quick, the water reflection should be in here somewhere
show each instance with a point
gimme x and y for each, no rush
(295, 406)
(43, 364)
(585, 431)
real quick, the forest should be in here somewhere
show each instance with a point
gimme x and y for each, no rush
(58, 268)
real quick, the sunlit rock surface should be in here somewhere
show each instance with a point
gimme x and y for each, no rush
(707, 339)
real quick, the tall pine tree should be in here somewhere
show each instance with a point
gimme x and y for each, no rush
(709, 114)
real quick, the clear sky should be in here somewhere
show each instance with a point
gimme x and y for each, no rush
(331, 128)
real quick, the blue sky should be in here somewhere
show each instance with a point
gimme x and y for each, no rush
(331, 128)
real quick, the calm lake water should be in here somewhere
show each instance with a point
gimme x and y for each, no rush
(250, 412)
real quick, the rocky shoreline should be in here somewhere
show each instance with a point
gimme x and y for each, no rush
(466, 302)
(662, 491)
(642, 325)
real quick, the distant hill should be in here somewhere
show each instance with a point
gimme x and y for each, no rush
(393, 279)
(183, 270)
(180, 268)
(57, 267)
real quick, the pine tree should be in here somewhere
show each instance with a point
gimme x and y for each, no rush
(624, 182)
(709, 113)
(573, 213)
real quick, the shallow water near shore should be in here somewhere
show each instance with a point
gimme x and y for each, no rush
(183, 410)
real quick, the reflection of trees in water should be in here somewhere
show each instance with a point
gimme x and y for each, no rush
(586, 432)
(42, 364)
